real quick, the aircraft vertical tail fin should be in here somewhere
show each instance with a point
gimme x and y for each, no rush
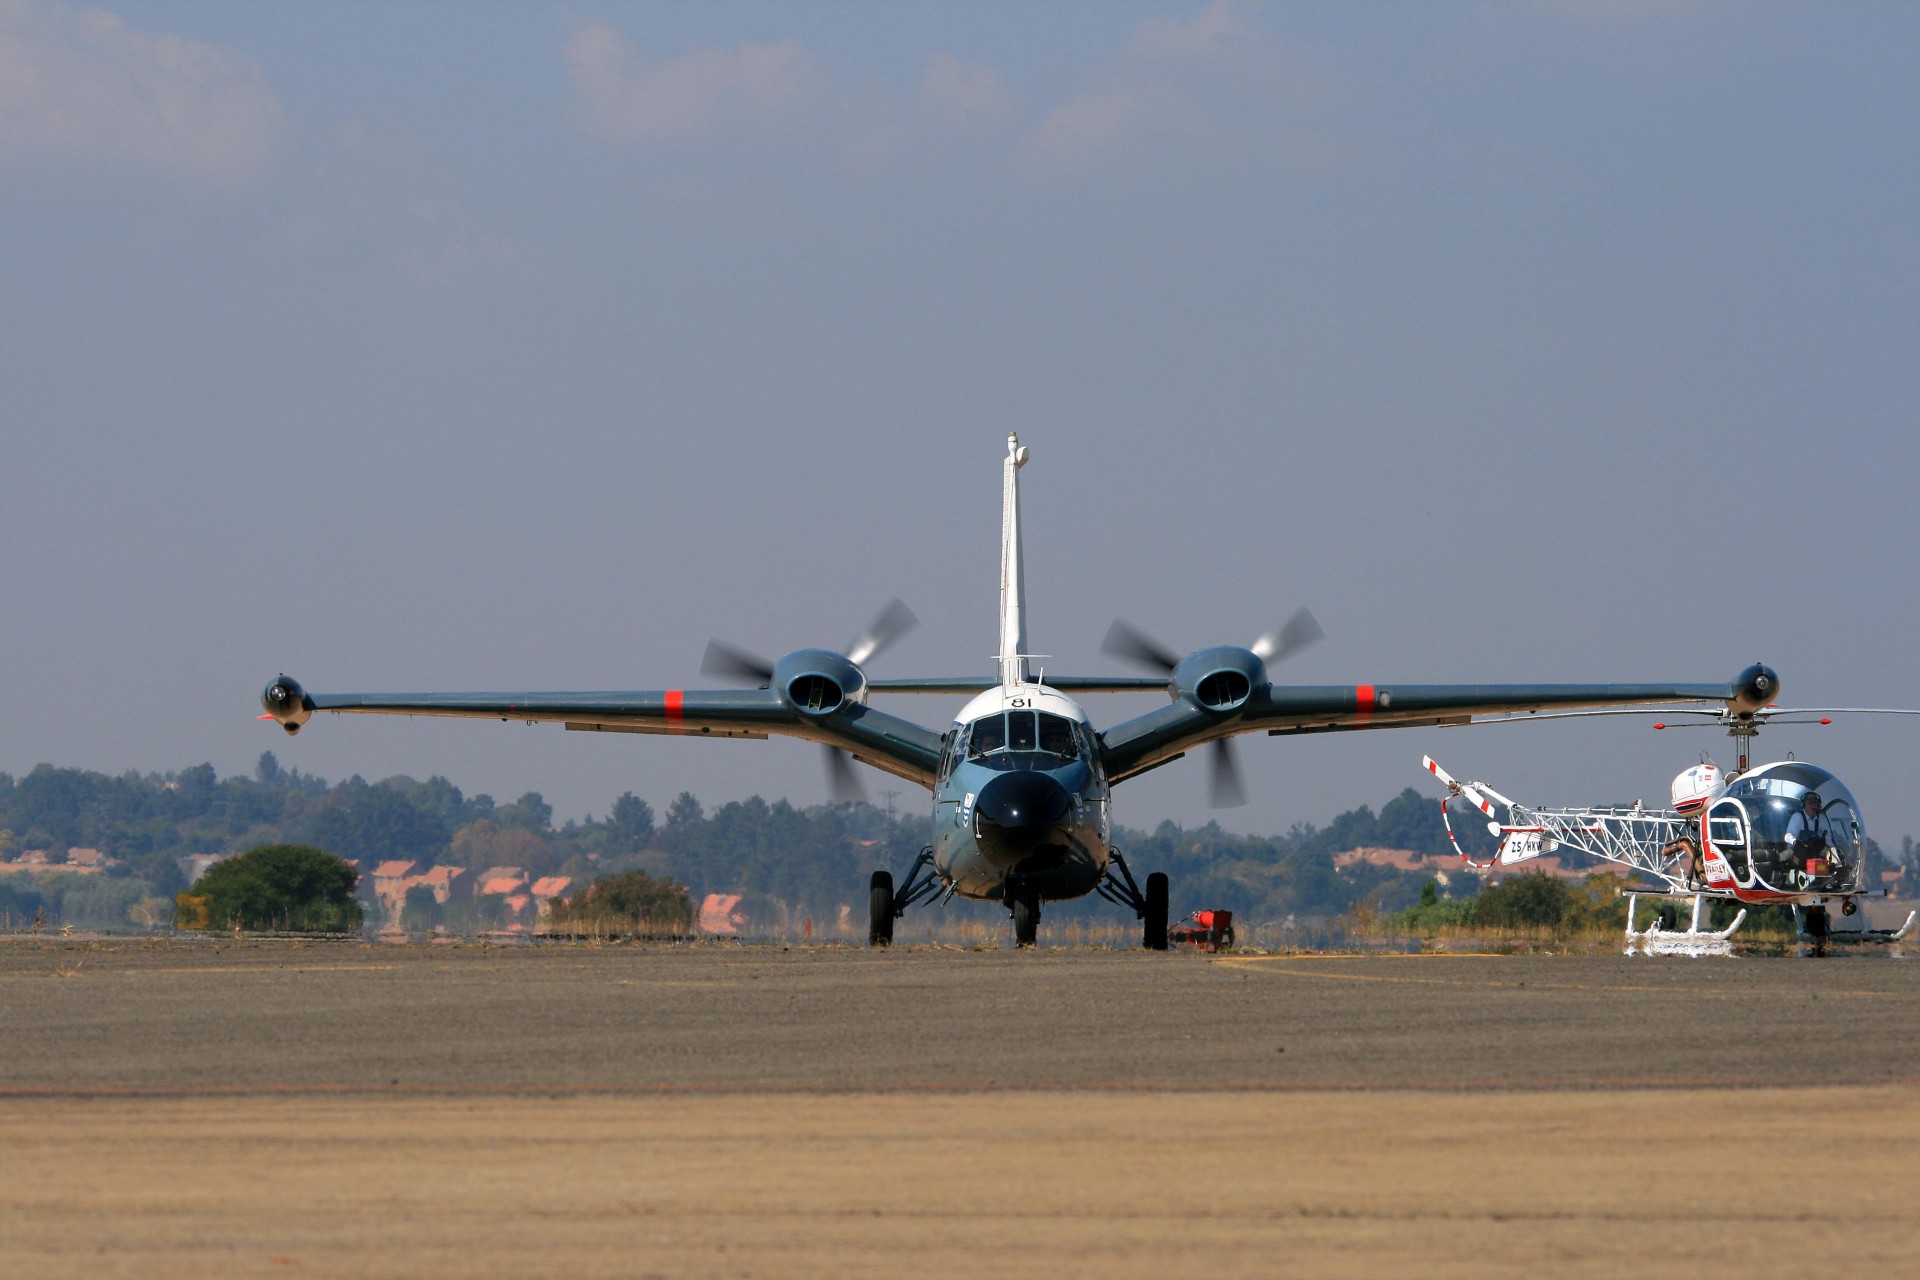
(1013, 586)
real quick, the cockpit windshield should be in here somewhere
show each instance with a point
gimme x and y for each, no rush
(1012, 739)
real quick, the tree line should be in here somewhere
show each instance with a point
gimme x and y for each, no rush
(808, 860)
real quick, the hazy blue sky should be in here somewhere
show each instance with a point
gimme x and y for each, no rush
(437, 346)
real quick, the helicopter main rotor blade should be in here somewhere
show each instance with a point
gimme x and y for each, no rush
(722, 659)
(1301, 630)
(1125, 641)
(894, 621)
(1224, 788)
(842, 782)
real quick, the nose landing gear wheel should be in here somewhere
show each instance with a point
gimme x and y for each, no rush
(1155, 934)
(880, 910)
(1026, 916)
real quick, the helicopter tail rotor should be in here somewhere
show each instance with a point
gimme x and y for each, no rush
(1455, 787)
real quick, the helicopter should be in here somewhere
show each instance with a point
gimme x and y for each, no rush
(1020, 778)
(1783, 833)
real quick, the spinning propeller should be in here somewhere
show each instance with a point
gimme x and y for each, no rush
(1225, 790)
(728, 662)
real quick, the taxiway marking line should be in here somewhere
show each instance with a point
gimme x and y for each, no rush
(1270, 964)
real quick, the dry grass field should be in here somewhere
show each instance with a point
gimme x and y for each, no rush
(1060, 1184)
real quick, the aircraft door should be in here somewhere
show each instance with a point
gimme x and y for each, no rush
(1848, 841)
(1727, 835)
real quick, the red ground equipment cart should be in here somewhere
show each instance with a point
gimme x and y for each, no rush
(1203, 931)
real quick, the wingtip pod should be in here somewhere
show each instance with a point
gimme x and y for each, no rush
(1754, 689)
(286, 702)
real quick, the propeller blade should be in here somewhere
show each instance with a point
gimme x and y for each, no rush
(722, 659)
(1302, 629)
(1224, 788)
(841, 779)
(1123, 641)
(894, 621)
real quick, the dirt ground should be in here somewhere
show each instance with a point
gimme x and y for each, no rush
(266, 1109)
(1060, 1184)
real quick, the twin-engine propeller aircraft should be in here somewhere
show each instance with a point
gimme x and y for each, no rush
(1021, 778)
(1787, 833)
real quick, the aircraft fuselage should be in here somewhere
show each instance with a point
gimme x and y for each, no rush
(1020, 798)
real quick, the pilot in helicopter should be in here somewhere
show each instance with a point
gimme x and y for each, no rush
(1810, 836)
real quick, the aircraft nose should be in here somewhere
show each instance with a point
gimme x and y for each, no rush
(1016, 812)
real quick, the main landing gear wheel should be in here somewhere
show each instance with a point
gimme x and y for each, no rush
(880, 910)
(1155, 938)
(1026, 916)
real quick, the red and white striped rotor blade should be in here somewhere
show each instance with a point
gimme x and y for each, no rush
(1478, 801)
(1453, 784)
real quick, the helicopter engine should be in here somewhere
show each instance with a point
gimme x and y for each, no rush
(1698, 787)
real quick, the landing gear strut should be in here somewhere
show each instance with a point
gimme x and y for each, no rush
(885, 904)
(1120, 888)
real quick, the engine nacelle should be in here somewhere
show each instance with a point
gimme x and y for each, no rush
(819, 682)
(1220, 679)
(1754, 689)
(287, 703)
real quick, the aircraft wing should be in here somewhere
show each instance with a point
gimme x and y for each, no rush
(1136, 745)
(886, 742)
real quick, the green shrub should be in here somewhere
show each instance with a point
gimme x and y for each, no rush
(1529, 901)
(632, 902)
(294, 888)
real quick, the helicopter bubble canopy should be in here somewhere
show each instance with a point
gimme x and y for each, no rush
(1783, 852)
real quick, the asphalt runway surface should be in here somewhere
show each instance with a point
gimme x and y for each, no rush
(270, 1016)
(211, 1108)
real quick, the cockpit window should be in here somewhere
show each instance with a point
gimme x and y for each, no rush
(1056, 735)
(1026, 732)
(1020, 734)
(987, 735)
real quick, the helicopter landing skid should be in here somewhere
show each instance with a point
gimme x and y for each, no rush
(1655, 940)
(1901, 934)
